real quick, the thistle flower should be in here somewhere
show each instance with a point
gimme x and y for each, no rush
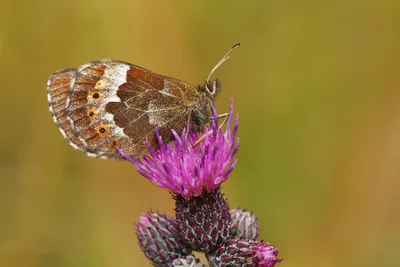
(192, 167)
(187, 167)
(239, 252)
(158, 239)
(244, 224)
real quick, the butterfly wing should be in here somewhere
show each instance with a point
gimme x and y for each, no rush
(109, 103)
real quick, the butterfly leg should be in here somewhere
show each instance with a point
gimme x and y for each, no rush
(203, 136)
(220, 116)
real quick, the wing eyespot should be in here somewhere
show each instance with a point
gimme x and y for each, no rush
(95, 95)
(92, 113)
(103, 130)
(99, 84)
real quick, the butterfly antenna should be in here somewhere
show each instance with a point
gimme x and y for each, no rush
(222, 60)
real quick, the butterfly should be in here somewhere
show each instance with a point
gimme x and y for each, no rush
(109, 103)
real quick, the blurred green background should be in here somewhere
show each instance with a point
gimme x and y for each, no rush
(317, 87)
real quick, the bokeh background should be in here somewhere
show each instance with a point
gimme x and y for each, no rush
(317, 87)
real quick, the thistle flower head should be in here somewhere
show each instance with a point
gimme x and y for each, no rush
(193, 162)
(244, 224)
(239, 252)
(158, 239)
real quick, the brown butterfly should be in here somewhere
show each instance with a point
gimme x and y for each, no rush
(110, 103)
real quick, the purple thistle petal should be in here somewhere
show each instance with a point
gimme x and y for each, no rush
(228, 125)
(125, 155)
